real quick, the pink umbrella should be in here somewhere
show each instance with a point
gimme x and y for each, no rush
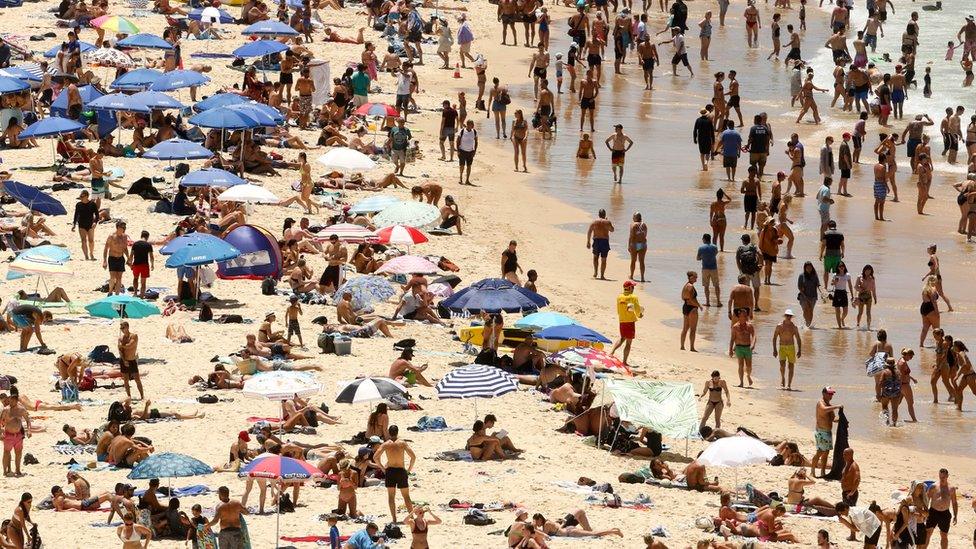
(408, 264)
(400, 234)
(589, 357)
(347, 232)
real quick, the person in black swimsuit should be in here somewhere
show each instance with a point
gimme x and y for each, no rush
(510, 265)
(714, 388)
(689, 311)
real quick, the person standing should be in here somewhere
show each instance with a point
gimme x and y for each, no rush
(850, 478)
(731, 141)
(465, 37)
(85, 219)
(629, 310)
(141, 262)
(808, 286)
(788, 347)
(114, 258)
(467, 146)
(336, 254)
(598, 239)
(758, 142)
(129, 358)
(637, 245)
(714, 388)
(703, 135)
(941, 496)
(359, 81)
(228, 513)
(305, 87)
(742, 343)
(824, 201)
(707, 254)
(16, 424)
(690, 308)
(618, 143)
(510, 264)
(831, 249)
(449, 120)
(399, 142)
(844, 163)
(823, 435)
(397, 476)
(750, 262)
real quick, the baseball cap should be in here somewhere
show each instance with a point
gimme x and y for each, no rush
(629, 284)
(846, 135)
(244, 436)
(788, 312)
(829, 390)
(520, 511)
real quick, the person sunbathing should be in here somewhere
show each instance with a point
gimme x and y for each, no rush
(299, 407)
(272, 350)
(126, 452)
(177, 334)
(365, 259)
(330, 463)
(265, 332)
(574, 525)
(332, 36)
(107, 148)
(565, 394)
(300, 279)
(482, 446)
(403, 369)
(797, 487)
(57, 295)
(695, 478)
(62, 502)
(220, 378)
(282, 139)
(12, 136)
(86, 436)
(39, 405)
(164, 7)
(357, 143)
(790, 455)
(660, 470)
(153, 413)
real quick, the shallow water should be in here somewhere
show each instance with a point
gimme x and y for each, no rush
(663, 182)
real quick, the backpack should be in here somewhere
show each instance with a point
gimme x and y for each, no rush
(206, 313)
(401, 140)
(504, 98)
(87, 382)
(116, 412)
(207, 399)
(749, 259)
(285, 504)
(268, 286)
(477, 517)
(392, 531)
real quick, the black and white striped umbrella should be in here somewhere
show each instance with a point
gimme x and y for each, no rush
(476, 381)
(368, 389)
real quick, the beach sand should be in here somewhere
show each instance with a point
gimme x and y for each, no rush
(503, 207)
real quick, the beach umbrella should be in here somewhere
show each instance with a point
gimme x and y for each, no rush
(571, 332)
(408, 264)
(250, 194)
(211, 177)
(588, 357)
(224, 118)
(33, 198)
(542, 320)
(281, 385)
(139, 79)
(476, 381)
(157, 101)
(346, 159)
(168, 465)
(83, 47)
(116, 24)
(29, 72)
(202, 252)
(374, 204)
(110, 57)
(51, 126)
(376, 109)
(260, 48)
(10, 85)
(348, 232)
(121, 306)
(366, 290)
(399, 234)
(184, 240)
(118, 102)
(219, 100)
(39, 265)
(271, 466)
(47, 252)
(211, 15)
(144, 40)
(265, 115)
(368, 389)
(494, 295)
(178, 149)
(736, 451)
(175, 80)
(411, 214)
(269, 28)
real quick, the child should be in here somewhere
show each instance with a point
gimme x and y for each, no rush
(334, 542)
(951, 50)
(967, 66)
(803, 15)
(530, 284)
(559, 73)
(291, 319)
(585, 148)
(198, 521)
(927, 88)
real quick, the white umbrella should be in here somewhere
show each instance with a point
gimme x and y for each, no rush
(109, 57)
(346, 159)
(348, 232)
(34, 265)
(281, 385)
(210, 15)
(251, 194)
(736, 451)
(368, 389)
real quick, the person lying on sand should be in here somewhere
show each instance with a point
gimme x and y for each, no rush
(85, 436)
(299, 407)
(403, 370)
(220, 378)
(57, 295)
(62, 502)
(39, 405)
(661, 470)
(146, 413)
(271, 351)
(248, 365)
(177, 334)
(573, 525)
(363, 331)
(770, 524)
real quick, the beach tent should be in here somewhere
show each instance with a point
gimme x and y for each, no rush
(106, 119)
(668, 407)
(260, 256)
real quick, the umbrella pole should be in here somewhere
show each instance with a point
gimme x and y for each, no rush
(281, 490)
(599, 443)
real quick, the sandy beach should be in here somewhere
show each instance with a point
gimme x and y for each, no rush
(546, 211)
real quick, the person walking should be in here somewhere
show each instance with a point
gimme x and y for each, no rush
(629, 310)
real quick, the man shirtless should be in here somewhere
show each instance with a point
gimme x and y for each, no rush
(396, 476)
(337, 255)
(271, 350)
(788, 346)
(538, 67)
(941, 496)
(823, 435)
(742, 342)
(105, 440)
(129, 359)
(647, 52)
(16, 426)
(589, 89)
(114, 258)
(228, 514)
(955, 133)
(62, 502)
(404, 368)
(850, 478)
(82, 488)
(305, 87)
(124, 451)
(618, 143)
(695, 478)
(838, 45)
(741, 297)
(527, 358)
(598, 239)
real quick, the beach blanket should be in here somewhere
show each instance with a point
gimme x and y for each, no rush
(454, 455)
(665, 483)
(74, 449)
(182, 492)
(312, 539)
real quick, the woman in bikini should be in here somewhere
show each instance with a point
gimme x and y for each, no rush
(796, 170)
(132, 535)
(520, 132)
(967, 377)
(419, 525)
(935, 271)
(865, 289)
(718, 100)
(348, 481)
(716, 218)
(782, 212)
(482, 446)
(689, 311)
(378, 423)
(890, 392)
(637, 244)
(905, 375)
(797, 486)
(573, 525)
(18, 531)
(929, 309)
(714, 388)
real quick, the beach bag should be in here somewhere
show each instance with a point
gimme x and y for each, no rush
(35, 538)
(285, 504)
(206, 313)
(207, 399)
(87, 382)
(749, 259)
(326, 343)
(116, 412)
(429, 423)
(6, 382)
(504, 98)
(268, 286)
(392, 531)
(477, 517)
(876, 364)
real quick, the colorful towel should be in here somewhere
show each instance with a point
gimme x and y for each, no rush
(74, 449)
(312, 539)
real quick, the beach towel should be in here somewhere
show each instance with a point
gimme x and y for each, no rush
(205, 540)
(841, 443)
(876, 364)
(454, 455)
(74, 449)
(312, 539)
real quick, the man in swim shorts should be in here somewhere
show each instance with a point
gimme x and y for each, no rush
(788, 346)
(823, 433)
(114, 258)
(742, 341)
(618, 143)
(598, 239)
(397, 472)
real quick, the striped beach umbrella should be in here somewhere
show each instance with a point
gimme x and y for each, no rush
(116, 24)
(400, 234)
(368, 389)
(281, 385)
(476, 381)
(348, 232)
(408, 264)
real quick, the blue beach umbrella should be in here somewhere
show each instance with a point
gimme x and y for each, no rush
(121, 306)
(83, 47)
(541, 321)
(139, 79)
(572, 332)
(178, 149)
(219, 100)
(266, 115)
(175, 80)
(374, 204)
(182, 241)
(211, 177)
(50, 126)
(20, 74)
(144, 40)
(259, 48)
(224, 118)
(269, 28)
(10, 85)
(169, 465)
(366, 290)
(118, 102)
(34, 199)
(157, 100)
(202, 252)
(494, 295)
(225, 18)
